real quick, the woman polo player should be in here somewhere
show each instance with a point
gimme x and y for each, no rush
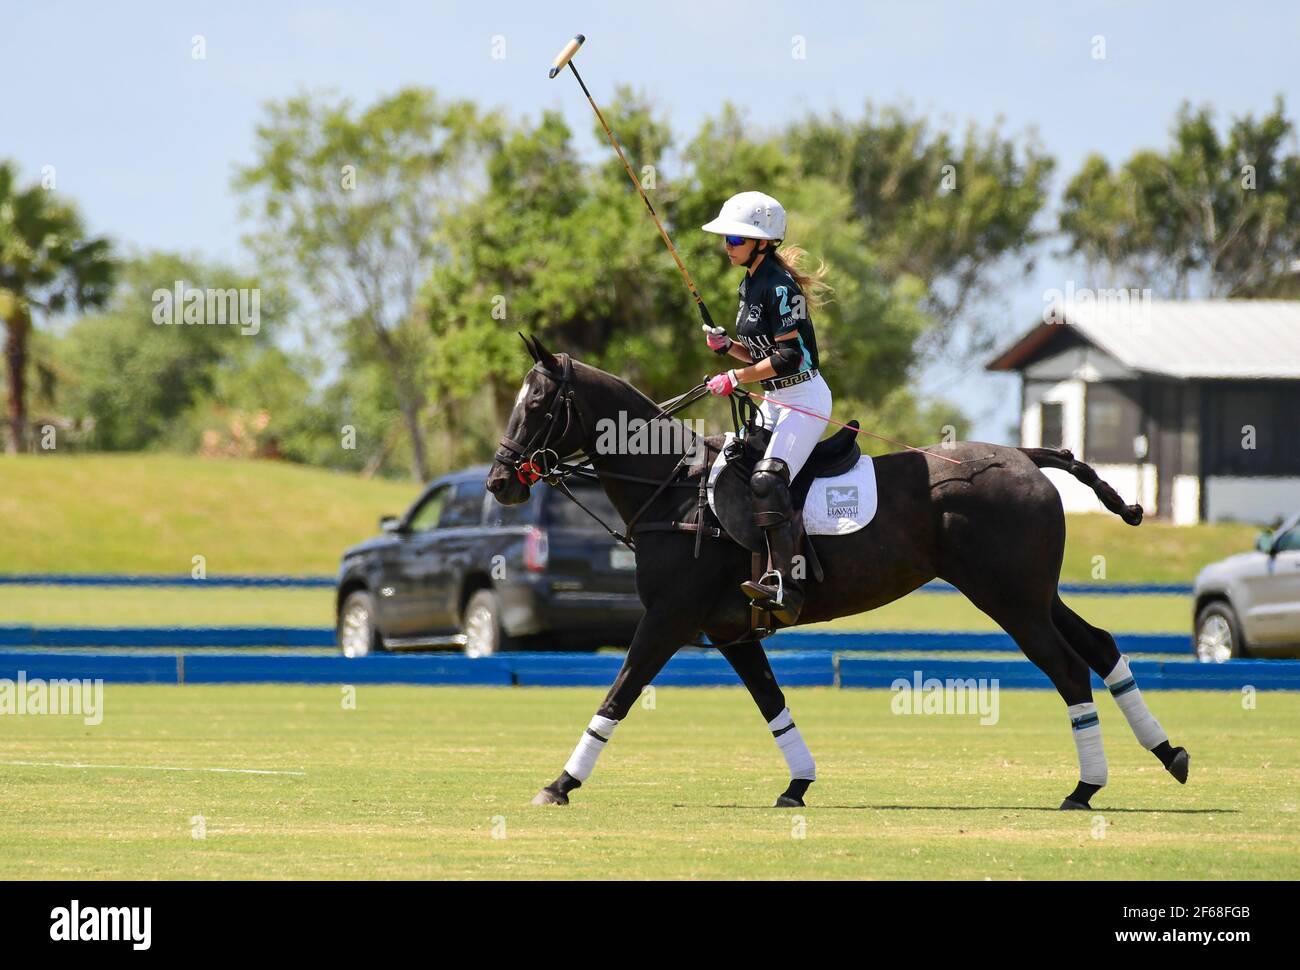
(776, 344)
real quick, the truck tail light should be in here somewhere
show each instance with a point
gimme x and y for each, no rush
(536, 550)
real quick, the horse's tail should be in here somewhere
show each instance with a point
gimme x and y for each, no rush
(1064, 460)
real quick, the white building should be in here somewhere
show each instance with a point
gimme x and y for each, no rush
(1190, 408)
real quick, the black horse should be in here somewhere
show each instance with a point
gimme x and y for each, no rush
(992, 525)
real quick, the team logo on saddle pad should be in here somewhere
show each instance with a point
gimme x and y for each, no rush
(850, 499)
(842, 501)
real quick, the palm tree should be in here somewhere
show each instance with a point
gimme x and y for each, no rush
(46, 262)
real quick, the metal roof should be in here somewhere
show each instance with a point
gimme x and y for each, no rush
(1177, 338)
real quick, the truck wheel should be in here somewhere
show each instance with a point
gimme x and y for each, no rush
(357, 633)
(481, 625)
(1218, 634)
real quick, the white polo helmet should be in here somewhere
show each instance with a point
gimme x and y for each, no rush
(749, 214)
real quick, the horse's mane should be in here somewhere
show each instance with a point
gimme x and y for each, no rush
(652, 404)
(621, 380)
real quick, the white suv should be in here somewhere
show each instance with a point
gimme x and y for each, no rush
(1248, 605)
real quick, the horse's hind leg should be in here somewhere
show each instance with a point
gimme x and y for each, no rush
(657, 638)
(1098, 649)
(749, 660)
(1029, 622)
(1045, 646)
(1002, 546)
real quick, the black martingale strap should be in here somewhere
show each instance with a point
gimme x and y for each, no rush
(631, 524)
(564, 490)
(696, 523)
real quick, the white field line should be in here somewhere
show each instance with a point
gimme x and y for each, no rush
(225, 771)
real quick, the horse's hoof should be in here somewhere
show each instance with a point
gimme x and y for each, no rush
(792, 797)
(548, 796)
(1070, 805)
(1179, 765)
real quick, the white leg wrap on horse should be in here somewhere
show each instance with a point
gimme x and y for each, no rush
(593, 742)
(792, 745)
(1125, 691)
(1087, 739)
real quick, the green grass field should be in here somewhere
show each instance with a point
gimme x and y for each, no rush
(147, 513)
(436, 782)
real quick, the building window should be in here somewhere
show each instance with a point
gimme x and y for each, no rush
(1254, 429)
(1111, 422)
(1053, 424)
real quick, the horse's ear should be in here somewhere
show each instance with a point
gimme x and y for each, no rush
(544, 356)
(532, 349)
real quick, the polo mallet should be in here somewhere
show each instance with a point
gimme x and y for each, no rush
(566, 57)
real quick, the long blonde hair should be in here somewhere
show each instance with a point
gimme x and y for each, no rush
(812, 283)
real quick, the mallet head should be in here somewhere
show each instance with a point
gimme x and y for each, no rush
(566, 55)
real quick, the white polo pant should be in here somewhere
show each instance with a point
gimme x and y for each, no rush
(794, 434)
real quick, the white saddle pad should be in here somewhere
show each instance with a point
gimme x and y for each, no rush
(835, 506)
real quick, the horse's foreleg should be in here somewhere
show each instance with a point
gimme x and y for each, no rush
(657, 638)
(749, 660)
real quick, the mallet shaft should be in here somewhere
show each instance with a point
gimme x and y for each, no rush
(566, 57)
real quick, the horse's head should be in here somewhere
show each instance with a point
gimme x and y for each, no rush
(544, 427)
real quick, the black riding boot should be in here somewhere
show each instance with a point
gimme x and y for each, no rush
(778, 590)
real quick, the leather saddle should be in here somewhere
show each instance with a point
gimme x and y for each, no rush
(834, 456)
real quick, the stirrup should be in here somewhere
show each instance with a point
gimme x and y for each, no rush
(763, 600)
(779, 599)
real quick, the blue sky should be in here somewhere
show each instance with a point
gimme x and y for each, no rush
(145, 137)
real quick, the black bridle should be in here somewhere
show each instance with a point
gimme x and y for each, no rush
(534, 461)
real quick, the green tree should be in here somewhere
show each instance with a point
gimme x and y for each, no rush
(47, 262)
(349, 202)
(942, 216)
(263, 404)
(128, 380)
(568, 253)
(561, 250)
(1214, 213)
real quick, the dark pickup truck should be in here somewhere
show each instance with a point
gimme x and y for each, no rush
(460, 570)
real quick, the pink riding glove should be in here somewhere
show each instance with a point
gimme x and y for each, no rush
(718, 342)
(723, 384)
